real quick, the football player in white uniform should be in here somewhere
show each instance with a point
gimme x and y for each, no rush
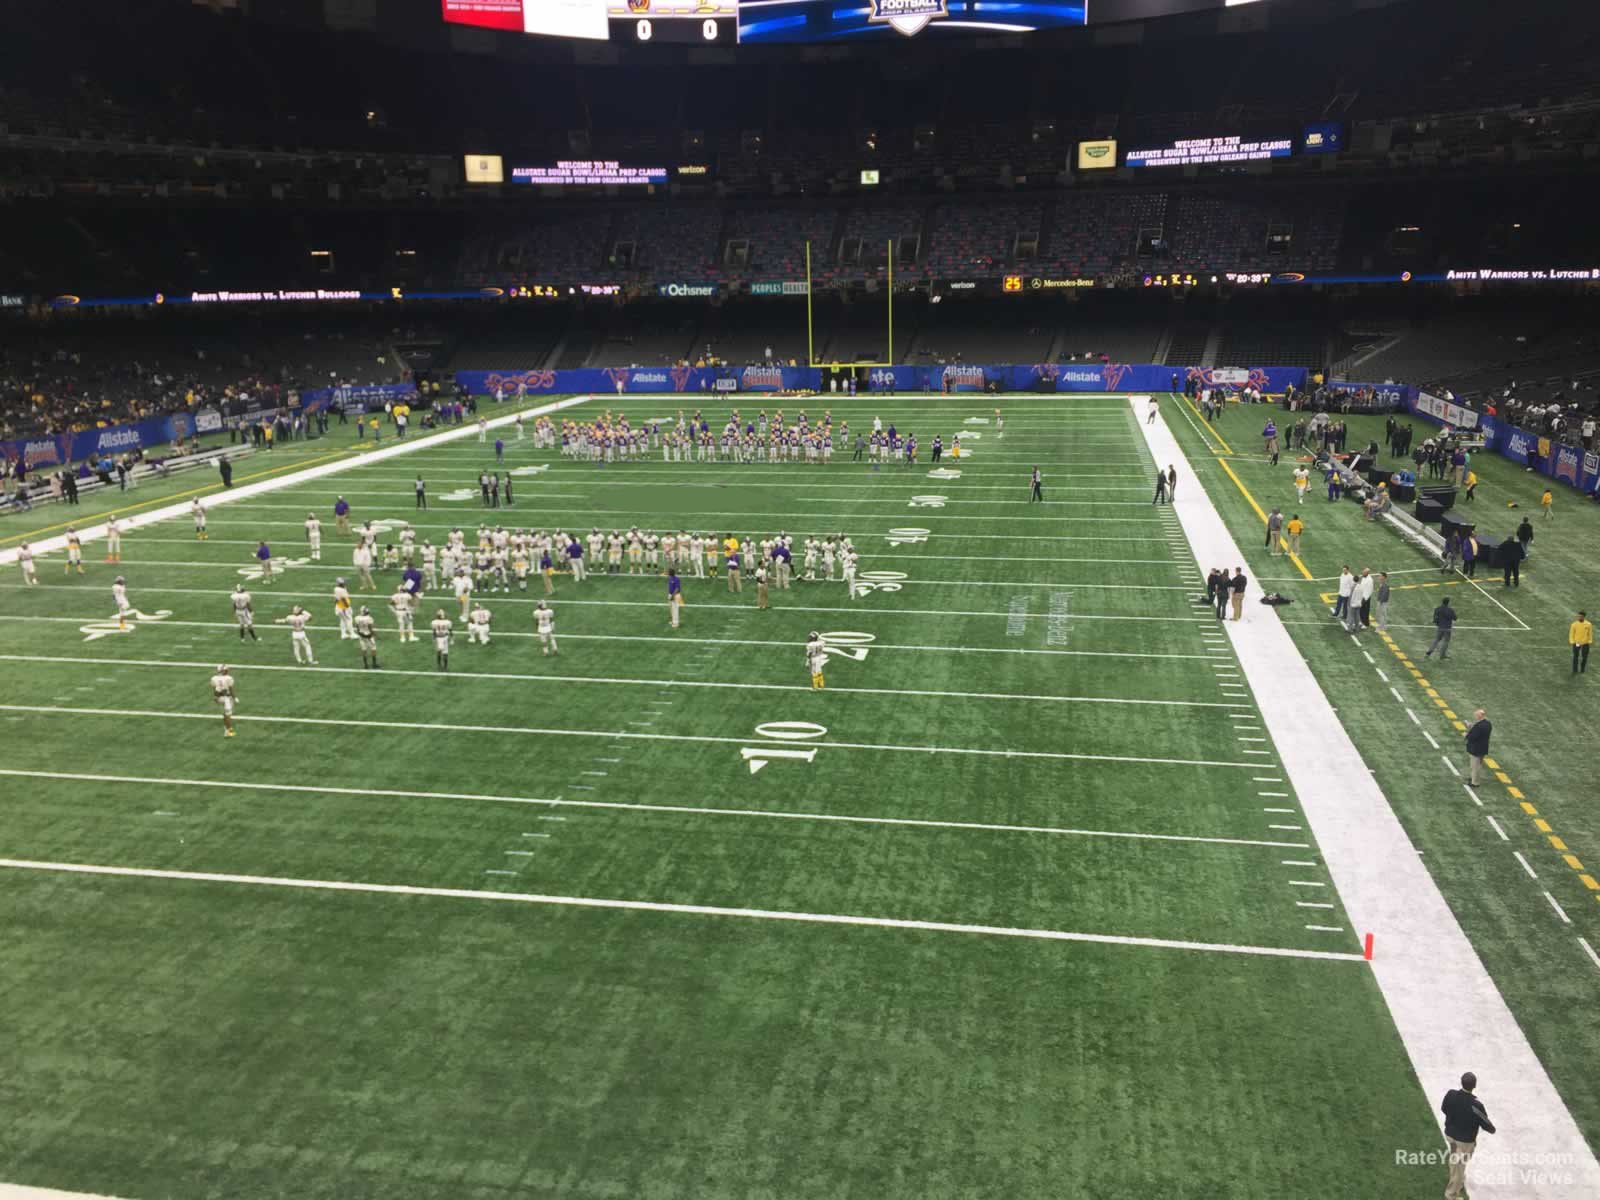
(244, 612)
(816, 658)
(478, 625)
(401, 604)
(224, 692)
(198, 512)
(297, 620)
(119, 593)
(367, 637)
(441, 640)
(74, 551)
(314, 536)
(25, 561)
(342, 610)
(545, 618)
(113, 540)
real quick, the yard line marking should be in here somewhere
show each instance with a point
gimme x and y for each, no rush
(564, 680)
(1306, 883)
(1264, 753)
(1251, 739)
(688, 810)
(1517, 854)
(162, 812)
(1560, 912)
(678, 909)
(1275, 795)
(876, 610)
(1589, 950)
(1395, 692)
(536, 835)
(1295, 862)
(608, 760)
(1369, 658)
(499, 872)
(1312, 904)
(589, 511)
(1381, 675)
(520, 853)
(1414, 719)
(580, 787)
(1326, 928)
(1495, 825)
(1288, 828)
(629, 682)
(1472, 793)
(1429, 736)
(1266, 779)
(1450, 765)
(599, 773)
(1277, 810)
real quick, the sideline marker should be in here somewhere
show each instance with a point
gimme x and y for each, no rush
(1366, 952)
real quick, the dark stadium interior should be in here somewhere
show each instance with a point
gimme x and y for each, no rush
(263, 147)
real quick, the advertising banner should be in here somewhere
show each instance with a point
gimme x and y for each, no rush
(1074, 377)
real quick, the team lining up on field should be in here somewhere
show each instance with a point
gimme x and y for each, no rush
(743, 440)
(500, 557)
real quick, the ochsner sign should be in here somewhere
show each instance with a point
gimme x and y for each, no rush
(688, 290)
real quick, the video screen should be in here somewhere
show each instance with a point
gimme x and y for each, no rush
(886, 20)
(1194, 152)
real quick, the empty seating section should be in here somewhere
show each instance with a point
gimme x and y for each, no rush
(996, 332)
(1089, 232)
(1281, 343)
(551, 248)
(875, 226)
(670, 244)
(978, 238)
(777, 240)
(1214, 232)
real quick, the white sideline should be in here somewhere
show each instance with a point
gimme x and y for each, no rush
(1447, 1010)
(249, 490)
(15, 1191)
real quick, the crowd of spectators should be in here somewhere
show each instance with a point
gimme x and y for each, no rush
(1568, 416)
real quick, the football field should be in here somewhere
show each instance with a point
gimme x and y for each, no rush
(1023, 896)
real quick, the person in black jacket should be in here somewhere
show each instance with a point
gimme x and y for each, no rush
(1511, 562)
(1444, 620)
(1477, 740)
(1464, 1115)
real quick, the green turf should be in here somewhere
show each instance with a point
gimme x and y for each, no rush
(1522, 677)
(185, 1038)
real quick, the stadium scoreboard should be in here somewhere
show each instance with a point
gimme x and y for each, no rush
(695, 22)
(726, 22)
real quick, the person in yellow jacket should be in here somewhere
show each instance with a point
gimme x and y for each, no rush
(1548, 502)
(1472, 486)
(1580, 636)
(1294, 528)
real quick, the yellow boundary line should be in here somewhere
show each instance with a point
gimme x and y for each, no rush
(1245, 492)
(1539, 823)
(156, 501)
(1206, 424)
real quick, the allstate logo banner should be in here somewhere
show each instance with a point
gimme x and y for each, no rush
(1518, 446)
(1567, 459)
(761, 379)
